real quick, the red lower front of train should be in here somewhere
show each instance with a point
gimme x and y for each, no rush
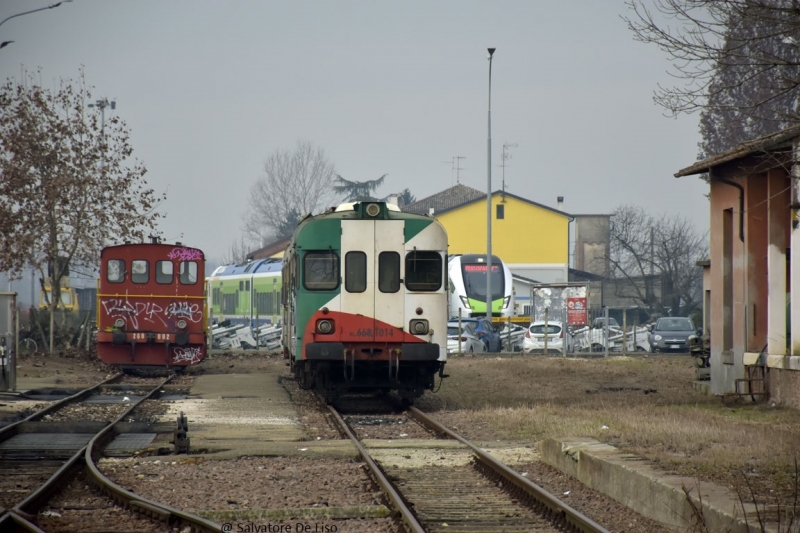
(139, 330)
(342, 352)
(147, 348)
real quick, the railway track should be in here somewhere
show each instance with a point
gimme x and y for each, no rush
(50, 456)
(479, 494)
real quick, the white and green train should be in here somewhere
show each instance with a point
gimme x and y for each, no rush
(468, 286)
(365, 301)
(249, 293)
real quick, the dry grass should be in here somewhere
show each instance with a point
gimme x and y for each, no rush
(643, 405)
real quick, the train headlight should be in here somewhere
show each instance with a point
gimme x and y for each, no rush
(418, 327)
(119, 323)
(373, 210)
(506, 301)
(324, 326)
(465, 302)
(181, 324)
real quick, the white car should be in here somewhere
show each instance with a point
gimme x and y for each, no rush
(558, 337)
(470, 343)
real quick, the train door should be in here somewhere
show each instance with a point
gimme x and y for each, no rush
(373, 255)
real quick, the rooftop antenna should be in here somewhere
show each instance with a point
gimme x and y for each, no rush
(458, 159)
(455, 166)
(506, 157)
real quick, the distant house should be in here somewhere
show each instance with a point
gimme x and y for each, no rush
(273, 249)
(523, 231)
(753, 266)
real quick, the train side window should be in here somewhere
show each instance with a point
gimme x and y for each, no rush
(355, 272)
(423, 271)
(140, 271)
(164, 271)
(188, 272)
(321, 271)
(389, 272)
(115, 271)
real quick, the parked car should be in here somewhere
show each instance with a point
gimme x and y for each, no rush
(558, 337)
(601, 323)
(484, 330)
(670, 334)
(470, 343)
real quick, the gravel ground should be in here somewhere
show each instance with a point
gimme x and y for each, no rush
(80, 508)
(247, 485)
(516, 403)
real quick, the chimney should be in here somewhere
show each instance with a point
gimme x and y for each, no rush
(560, 203)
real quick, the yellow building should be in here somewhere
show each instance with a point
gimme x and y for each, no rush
(523, 232)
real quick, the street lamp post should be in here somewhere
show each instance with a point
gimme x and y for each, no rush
(489, 197)
(51, 6)
(102, 105)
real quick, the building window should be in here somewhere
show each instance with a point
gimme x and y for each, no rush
(501, 212)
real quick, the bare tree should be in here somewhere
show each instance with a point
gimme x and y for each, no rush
(237, 253)
(737, 61)
(644, 248)
(294, 182)
(68, 186)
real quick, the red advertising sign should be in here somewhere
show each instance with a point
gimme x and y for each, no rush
(576, 311)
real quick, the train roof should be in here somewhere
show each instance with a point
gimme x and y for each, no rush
(258, 266)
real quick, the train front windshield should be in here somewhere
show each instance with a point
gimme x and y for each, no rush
(475, 281)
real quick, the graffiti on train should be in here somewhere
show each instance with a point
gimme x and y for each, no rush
(185, 254)
(137, 314)
(189, 354)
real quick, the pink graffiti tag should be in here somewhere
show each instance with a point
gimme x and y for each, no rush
(185, 254)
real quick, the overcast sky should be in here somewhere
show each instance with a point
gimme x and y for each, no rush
(210, 89)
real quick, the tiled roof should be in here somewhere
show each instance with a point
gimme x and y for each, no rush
(779, 140)
(444, 201)
(460, 195)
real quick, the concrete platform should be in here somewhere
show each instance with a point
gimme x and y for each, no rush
(236, 415)
(635, 483)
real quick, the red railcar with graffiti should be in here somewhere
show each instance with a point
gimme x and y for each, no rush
(151, 306)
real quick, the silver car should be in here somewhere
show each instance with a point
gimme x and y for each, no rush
(669, 334)
(470, 343)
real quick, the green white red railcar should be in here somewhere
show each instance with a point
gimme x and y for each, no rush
(365, 301)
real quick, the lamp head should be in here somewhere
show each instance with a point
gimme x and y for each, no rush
(491, 51)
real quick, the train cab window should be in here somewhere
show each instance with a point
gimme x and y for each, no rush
(164, 272)
(188, 272)
(140, 271)
(355, 272)
(389, 272)
(115, 271)
(423, 271)
(321, 271)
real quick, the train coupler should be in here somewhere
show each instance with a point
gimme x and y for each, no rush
(181, 436)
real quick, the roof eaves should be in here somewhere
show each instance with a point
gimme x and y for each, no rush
(765, 143)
